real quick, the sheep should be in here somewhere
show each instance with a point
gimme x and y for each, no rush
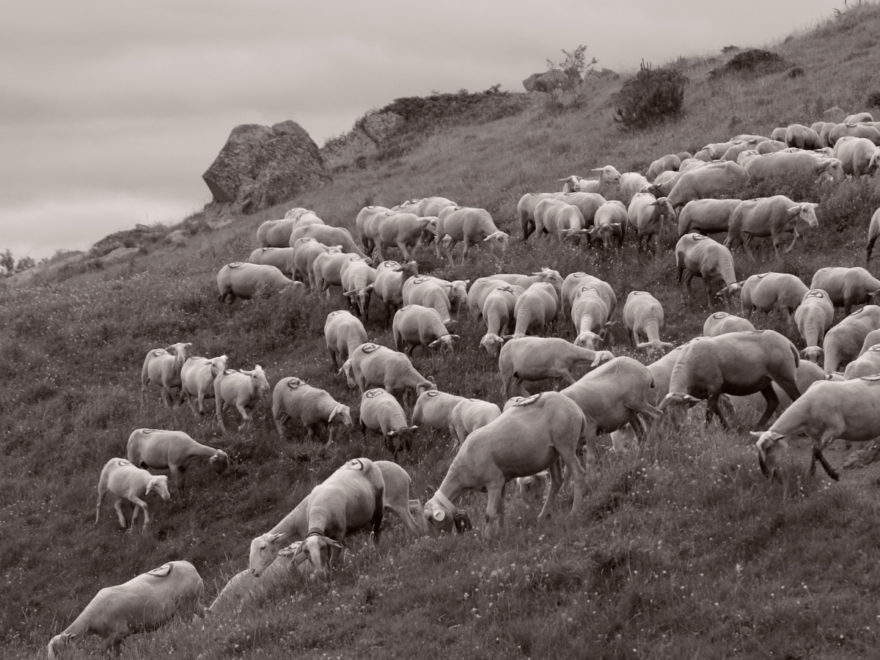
(558, 218)
(456, 290)
(630, 184)
(467, 415)
(366, 224)
(858, 155)
(606, 184)
(537, 358)
(535, 308)
(311, 407)
(433, 409)
(280, 257)
(843, 342)
(769, 216)
(574, 284)
(866, 364)
(329, 236)
(574, 183)
(431, 206)
(802, 137)
(667, 163)
(499, 313)
(526, 438)
(525, 210)
(610, 222)
(587, 203)
(382, 413)
(733, 153)
(646, 214)
(702, 257)
(371, 365)
(849, 410)
(197, 379)
(348, 500)
(769, 147)
(242, 389)
(721, 323)
(305, 251)
(533, 488)
(867, 131)
(174, 451)
(388, 287)
(873, 233)
(358, 279)
(706, 216)
(714, 180)
(404, 230)
(343, 332)
(794, 165)
(162, 366)
(275, 233)
(484, 285)
(416, 325)
(737, 363)
(471, 226)
(427, 292)
(245, 280)
(126, 481)
(847, 286)
(871, 338)
(143, 604)
(762, 292)
(859, 118)
(643, 314)
(327, 270)
(615, 394)
(590, 315)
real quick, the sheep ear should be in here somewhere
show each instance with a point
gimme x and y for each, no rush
(335, 544)
(434, 343)
(414, 427)
(274, 538)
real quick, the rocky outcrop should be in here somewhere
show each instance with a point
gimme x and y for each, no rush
(364, 140)
(260, 166)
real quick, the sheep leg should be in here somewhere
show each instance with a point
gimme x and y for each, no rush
(464, 250)
(555, 484)
(177, 476)
(747, 238)
(494, 509)
(772, 403)
(578, 475)
(826, 439)
(121, 516)
(244, 415)
(402, 246)
(279, 425)
(139, 503)
(713, 409)
(793, 241)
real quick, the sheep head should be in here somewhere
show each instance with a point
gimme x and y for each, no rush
(588, 339)
(446, 342)
(677, 399)
(347, 369)
(805, 215)
(263, 551)
(258, 380)
(320, 550)
(497, 242)
(59, 644)
(219, 461)
(812, 353)
(438, 514)
(180, 350)
(159, 485)
(772, 449)
(492, 344)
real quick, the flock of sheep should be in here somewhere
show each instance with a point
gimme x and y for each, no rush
(529, 433)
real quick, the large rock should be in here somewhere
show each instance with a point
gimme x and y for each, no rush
(260, 166)
(547, 81)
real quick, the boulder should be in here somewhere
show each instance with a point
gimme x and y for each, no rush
(260, 166)
(547, 81)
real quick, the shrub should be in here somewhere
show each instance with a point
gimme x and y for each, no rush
(753, 61)
(654, 95)
(873, 100)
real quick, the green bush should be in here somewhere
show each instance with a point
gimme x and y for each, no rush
(653, 96)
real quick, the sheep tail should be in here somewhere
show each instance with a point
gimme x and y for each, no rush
(102, 490)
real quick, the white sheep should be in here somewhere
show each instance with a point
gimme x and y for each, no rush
(327, 269)
(327, 235)
(844, 341)
(700, 256)
(197, 379)
(416, 325)
(311, 407)
(405, 230)
(610, 222)
(643, 314)
(471, 226)
(873, 233)
(343, 332)
(125, 481)
(574, 283)
(723, 179)
(720, 323)
(525, 210)
(174, 451)
(305, 251)
(499, 308)
(275, 233)
(388, 287)
(535, 308)
(858, 155)
(871, 338)
(142, 604)
(802, 137)
(769, 216)
(242, 389)
(866, 364)
(855, 129)
(631, 183)
(371, 365)
(764, 291)
(433, 410)
(357, 279)
(467, 415)
(280, 257)
(646, 214)
(794, 165)
(847, 286)
(382, 413)
(706, 216)
(246, 280)
(667, 163)
(813, 318)
(366, 225)
(482, 286)
(591, 317)
(427, 292)
(162, 366)
(555, 217)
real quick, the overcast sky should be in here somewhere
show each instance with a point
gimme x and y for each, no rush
(112, 109)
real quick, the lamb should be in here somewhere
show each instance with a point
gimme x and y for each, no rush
(764, 291)
(329, 236)
(327, 270)
(174, 451)
(404, 230)
(162, 366)
(427, 292)
(720, 323)
(280, 257)
(471, 226)
(499, 313)
(847, 286)
(242, 389)
(380, 412)
(706, 216)
(468, 415)
(343, 332)
(126, 481)
(416, 325)
(305, 251)
(142, 604)
(873, 233)
(388, 287)
(311, 407)
(590, 315)
(737, 363)
(667, 163)
(537, 358)
(433, 409)
(843, 342)
(358, 280)
(371, 365)
(535, 308)
(610, 222)
(858, 155)
(558, 218)
(643, 314)
(646, 214)
(526, 438)
(849, 410)
(575, 282)
(197, 379)
(770, 216)
(348, 500)
(700, 256)
(714, 180)
(866, 364)
(244, 280)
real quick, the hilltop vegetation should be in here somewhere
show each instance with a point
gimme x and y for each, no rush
(684, 550)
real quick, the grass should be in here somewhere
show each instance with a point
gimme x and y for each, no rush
(683, 549)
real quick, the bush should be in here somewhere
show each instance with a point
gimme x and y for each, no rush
(873, 100)
(654, 95)
(751, 62)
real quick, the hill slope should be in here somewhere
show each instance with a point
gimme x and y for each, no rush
(684, 550)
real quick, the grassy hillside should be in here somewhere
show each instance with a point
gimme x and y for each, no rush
(684, 550)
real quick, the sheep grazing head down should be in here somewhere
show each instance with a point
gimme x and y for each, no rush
(772, 449)
(219, 461)
(320, 551)
(263, 551)
(340, 417)
(59, 644)
(441, 516)
(159, 485)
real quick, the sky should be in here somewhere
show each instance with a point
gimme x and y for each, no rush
(112, 109)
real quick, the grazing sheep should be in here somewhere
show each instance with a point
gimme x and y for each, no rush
(528, 437)
(724, 179)
(479, 291)
(275, 233)
(471, 226)
(630, 184)
(371, 365)
(305, 251)
(499, 312)
(828, 410)
(813, 318)
(769, 147)
(280, 257)
(245, 280)
(242, 389)
(646, 214)
(327, 270)
(574, 183)
(348, 500)
(343, 332)
(388, 286)
(366, 225)
(416, 325)
(587, 203)
(866, 364)
(859, 118)
(162, 366)
(482, 286)
(764, 291)
(537, 358)
(706, 216)
(525, 210)
(197, 379)
(427, 292)
(358, 280)
(847, 286)
(770, 216)
(405, 230)
(575, 282)
(558, 218)
(142, 604)
(535, 308)
(643, 314)
(433, 409)
(737, 363)
(699, 256)
(590, 315)
(802, 137)
(844, 341)
(311, 407)
(467, 415)
(126, 481)
(381, 412)
(720, 323)
(329, 236)
(609, 223)
(873, 233)
(871, 338)
(787, 165)
(839, 131)
(174, 451)
(667, 163)
(858, 155)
